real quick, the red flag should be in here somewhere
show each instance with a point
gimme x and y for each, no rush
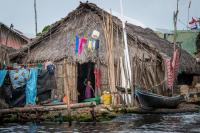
(193, 24)
(193, 21)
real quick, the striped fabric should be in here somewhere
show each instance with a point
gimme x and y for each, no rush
(176, 61)
(172, 66)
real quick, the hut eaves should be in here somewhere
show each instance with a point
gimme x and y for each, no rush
(146, 37)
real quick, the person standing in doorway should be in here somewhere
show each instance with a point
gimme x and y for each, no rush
(88, 89)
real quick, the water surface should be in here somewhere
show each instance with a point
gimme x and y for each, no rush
(137, 123)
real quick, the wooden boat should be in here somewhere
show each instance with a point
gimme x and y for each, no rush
(148, 100)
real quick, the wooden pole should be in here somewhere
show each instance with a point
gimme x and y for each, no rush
(188, 15)
(126, 52)
(46, 108)
(35, 11)
(136, 74)
(175, 17)
(66, 88)
(133, 89)
(66, 83)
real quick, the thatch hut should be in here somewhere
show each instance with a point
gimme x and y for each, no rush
(147, 51)
(4, 56)
(11, 37)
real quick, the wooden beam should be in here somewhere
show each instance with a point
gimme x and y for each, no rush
(46, 108)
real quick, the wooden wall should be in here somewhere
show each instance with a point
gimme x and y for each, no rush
(72, 76)
(13, 40)
(71, 80)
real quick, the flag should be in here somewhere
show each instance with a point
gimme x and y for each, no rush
(193, 24)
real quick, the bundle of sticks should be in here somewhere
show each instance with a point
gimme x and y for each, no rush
(108, 33)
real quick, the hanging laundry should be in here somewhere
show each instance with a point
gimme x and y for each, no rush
(97, 44)
(76, 44)
(46, 85)
(18, 77)
(97, 73)
(31, 89)
(93, 44)
(39, 65)
(89, 44)
(82, 41)
(172, 66)
(2, 76)
(95, 34)
(47, 63)
(51, 69)
(170, 74)
(176, 60)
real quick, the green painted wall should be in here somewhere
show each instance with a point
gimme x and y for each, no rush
(187, 39)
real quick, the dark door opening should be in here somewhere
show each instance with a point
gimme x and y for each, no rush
(85, 72)
(184, 78)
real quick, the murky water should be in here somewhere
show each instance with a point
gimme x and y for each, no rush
(124, 124)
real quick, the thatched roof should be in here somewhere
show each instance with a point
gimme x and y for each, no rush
(17, 32)
(198, 47)
(5, 51)
(50, 45)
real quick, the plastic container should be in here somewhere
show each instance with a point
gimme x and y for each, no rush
(106, 99)
(95, 99)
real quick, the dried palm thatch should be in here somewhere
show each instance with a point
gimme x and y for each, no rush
(4, 53)
(58, 42)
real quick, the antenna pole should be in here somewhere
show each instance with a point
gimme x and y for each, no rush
(188, 13)
(35, 10)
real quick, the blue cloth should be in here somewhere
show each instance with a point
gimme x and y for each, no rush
(31, 86)
(51, 69)
(2, 76)
(77, 44)
(18, 77)
(93, 44)
(97, 44)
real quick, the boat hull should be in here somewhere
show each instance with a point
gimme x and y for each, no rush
(149, 100)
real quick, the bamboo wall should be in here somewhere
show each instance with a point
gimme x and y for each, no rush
(104, 78)
(71, 82)
(147, 67)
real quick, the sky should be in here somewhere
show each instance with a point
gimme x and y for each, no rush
(146, 13)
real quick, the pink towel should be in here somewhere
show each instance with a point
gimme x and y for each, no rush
(170, 74)
(82, 41)
(176, 60)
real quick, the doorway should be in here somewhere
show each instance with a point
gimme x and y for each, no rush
(85, 72)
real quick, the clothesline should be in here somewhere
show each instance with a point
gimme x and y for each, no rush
(91, 44)
(11, 67)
